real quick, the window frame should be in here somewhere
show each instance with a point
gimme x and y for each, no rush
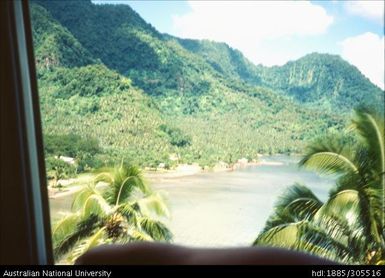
(26, 230)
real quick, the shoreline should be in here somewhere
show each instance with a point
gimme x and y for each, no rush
(181, 171)
(186, 170)
(54, 193)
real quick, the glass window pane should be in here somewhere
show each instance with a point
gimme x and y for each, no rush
(212, 124)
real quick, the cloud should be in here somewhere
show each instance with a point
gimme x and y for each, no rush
(366, 52)
(248, 25)
(373, 10)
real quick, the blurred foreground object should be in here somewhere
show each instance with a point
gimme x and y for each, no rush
(145, 253)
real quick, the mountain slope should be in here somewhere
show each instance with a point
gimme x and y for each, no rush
(149, 97)
(95, 102)
(325, 80)
(79, 95)
(54, 44)
(224, 59)
(123, 41)
(163, 65)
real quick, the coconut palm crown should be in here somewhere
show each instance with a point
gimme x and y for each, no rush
(349, 226)
(118, 207)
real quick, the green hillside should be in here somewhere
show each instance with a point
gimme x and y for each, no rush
(162, 65)
(325, 80)
(123, 41)
(223, 59)
(149, 97)
(54, 44)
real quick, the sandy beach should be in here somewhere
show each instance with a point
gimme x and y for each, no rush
(184, 170)
(73, 185)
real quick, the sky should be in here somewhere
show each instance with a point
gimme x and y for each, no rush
(275, 32)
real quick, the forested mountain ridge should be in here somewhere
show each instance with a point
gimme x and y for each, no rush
(323, 79)
(161, 64)
(224, 59)
(124, 42)
(149, 96)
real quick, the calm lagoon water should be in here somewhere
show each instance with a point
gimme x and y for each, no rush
(226, 208)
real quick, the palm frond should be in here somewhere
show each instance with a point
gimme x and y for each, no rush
(64, 227)
(316, 241)
(126, 188)
(130, 213)
(353, 237)
(83, 229)
(104, 176)
(99, 237)
(345, 205)
(136, 235)
(278, 218)
(279, 236)
(81, 197)
(296, 203)
(154, 203)
(370, 216)
(97, 205)
(329, 156)
(304, 208)
(348, 208)
(294, 192)
(155, 229)
(303, 236)
(122, 181)
(370, 127)
(349, 227)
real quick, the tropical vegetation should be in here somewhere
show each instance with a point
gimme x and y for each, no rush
(118, 207)
(105, 73)
(349, 227)
(111, 86)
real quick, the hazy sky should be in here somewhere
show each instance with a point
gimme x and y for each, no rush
(274, 32)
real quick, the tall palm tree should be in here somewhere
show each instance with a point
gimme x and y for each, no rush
(125, 210)
(349, 226)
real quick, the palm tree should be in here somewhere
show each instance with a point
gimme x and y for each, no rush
(126, 210)
(349, 226)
